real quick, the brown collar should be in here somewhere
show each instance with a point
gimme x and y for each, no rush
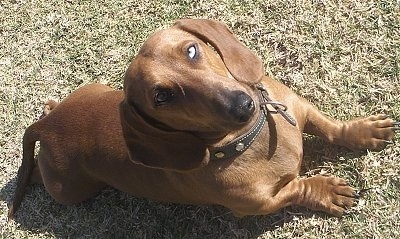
(243, 142)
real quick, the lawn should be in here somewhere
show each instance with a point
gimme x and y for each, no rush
(343, 56)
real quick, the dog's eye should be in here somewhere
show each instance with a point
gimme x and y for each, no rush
(162, 96)
(192, 51)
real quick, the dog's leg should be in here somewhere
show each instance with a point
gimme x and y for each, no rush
(63, 179)
(373, 132)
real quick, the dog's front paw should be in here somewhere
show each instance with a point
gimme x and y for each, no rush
(373, 132)
(328, 194)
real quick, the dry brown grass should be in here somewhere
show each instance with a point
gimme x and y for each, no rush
(341, 55)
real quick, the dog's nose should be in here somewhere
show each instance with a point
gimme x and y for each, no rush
(242, 107)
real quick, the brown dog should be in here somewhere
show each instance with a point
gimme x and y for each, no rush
(192, 126)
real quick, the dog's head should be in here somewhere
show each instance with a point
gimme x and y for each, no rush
(185, 92)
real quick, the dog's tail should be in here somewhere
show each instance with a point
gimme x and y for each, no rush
(25, 170)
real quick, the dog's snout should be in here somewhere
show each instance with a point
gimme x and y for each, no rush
(243, 107)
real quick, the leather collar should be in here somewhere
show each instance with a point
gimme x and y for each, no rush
(243, 142)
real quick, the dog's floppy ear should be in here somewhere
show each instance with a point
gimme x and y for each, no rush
(243, 64)
(157, 148)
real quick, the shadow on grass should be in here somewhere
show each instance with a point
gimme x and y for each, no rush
(318, 155)
(114, 214)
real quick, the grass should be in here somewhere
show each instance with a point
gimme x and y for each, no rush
(341, 55)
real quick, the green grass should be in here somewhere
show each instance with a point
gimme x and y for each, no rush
(344, 56)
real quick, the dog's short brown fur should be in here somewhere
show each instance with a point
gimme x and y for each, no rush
(182, 98)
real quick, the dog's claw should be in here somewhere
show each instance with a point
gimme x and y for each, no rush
(388, 142)
(360, 192)
(396, 125)
(357, 195)
(355, 203)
